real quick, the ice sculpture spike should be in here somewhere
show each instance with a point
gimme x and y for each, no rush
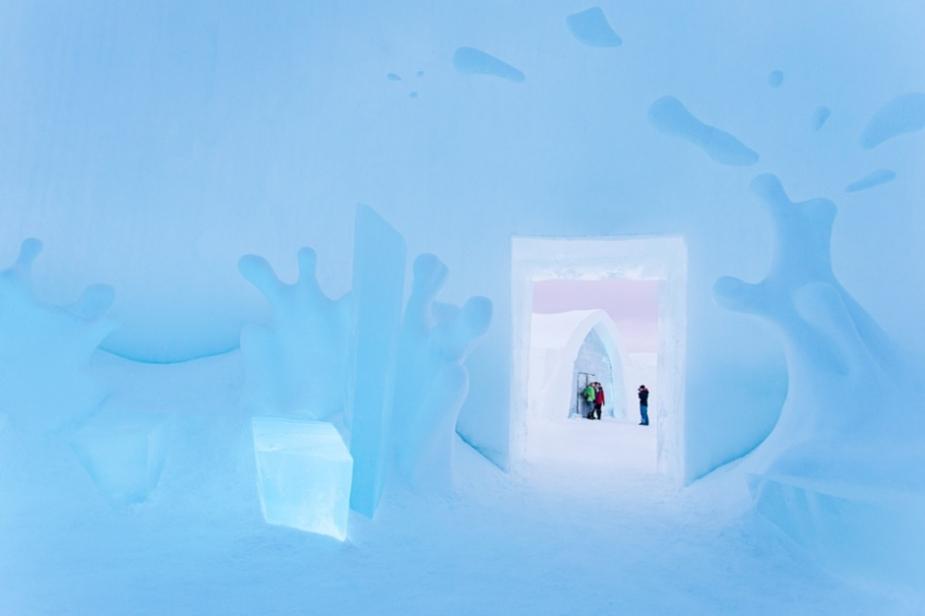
(295, 364)
(45, 349)
(838, 357)
(432, 382)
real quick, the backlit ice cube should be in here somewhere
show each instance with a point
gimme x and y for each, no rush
(304, 473)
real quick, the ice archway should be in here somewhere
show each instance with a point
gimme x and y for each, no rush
(557, 340)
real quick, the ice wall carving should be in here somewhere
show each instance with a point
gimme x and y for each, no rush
(44, 350)
(296, 364)
(872, 179)
(837, 355)
(820, 117)
(669, 115)
(476, 62)
(904, 114)
(591, 28)
(431, 382)
(846, 440)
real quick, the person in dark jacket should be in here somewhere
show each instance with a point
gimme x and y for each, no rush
(644, 405)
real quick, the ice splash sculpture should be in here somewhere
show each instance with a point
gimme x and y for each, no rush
(840, 472)
(472, 61)
(44, 350)
(904, 114)
(295, 365)
(670, 116)
(432, 382)
(303, 475)
(591, 28)
(872, 179)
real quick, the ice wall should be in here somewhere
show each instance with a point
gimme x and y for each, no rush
(152, 146)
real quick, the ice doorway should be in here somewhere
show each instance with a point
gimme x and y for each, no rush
(609, 311)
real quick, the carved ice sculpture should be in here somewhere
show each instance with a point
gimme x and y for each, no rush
(431, 383)
(44, 351)
(395, 380)
(303, 475)
(295, 365)
(836, 473)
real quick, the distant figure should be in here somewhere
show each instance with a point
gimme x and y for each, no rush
(598, 401)
(588, 394)
(644, 405)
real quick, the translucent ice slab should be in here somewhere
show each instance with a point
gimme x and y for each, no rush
(304, 473)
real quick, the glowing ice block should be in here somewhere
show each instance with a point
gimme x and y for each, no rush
(124, 455)
(304, 474)
(378, 292)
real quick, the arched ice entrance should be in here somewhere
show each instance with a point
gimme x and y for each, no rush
(563, 348)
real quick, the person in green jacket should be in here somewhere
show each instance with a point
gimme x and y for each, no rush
(588, 393)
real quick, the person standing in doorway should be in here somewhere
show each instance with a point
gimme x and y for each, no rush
(643, 405)
(588, 395)
(598, 400)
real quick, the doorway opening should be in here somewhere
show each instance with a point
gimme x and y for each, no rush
(607, 312)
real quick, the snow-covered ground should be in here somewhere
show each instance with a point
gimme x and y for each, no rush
(565, 534)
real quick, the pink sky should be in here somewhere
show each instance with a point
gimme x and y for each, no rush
(632, 304)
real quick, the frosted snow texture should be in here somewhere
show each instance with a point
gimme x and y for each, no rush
(474, 61)
(304, 472)
(904, 114)
(670, 116)
(591, 28)
(124, 454)
(44, 350)
(378, 292)
(872, 179)
(432, 383)
(296, 363)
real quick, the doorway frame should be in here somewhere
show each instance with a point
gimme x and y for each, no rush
(638, 257)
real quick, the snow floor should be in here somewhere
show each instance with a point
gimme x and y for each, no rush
(565, 535)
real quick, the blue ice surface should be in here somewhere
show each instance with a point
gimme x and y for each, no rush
(473, 61)
(775, 78)
(393, 77)
(378, 294)
(670, 116)
(874, 178)
(904, 114)
(304, 473)
(821, 116)
(124, 455)
(591, 28)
